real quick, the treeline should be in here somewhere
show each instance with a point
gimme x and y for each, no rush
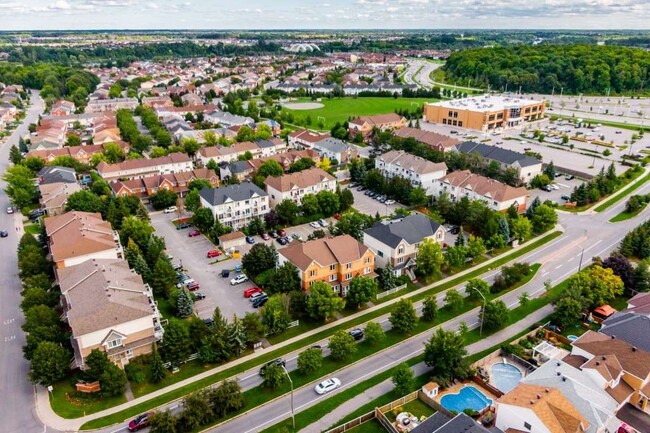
(54, 81)
(574, 68)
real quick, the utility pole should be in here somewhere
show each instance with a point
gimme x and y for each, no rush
(483, 314)
(293, 418)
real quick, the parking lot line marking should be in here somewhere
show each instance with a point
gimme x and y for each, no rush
(562, 185)
(558, 266)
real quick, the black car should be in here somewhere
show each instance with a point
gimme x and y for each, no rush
(357, 333)
(566, 197)
(278, 361)
(209, 321)
(570, 177)
(260, 301)
(282, 241)
(36, 214)
(225, 273)
(199, 296)
(454, 230)
(182, 226)
(3, 233)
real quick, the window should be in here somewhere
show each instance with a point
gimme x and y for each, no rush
(366, 271)
(460, 123)
(454, 123)
(333, 277)
(444, 121)
(312, 273)
(332, 267)
(348, 266)
(451, 114)
(129, 353)
(114, 343)
(348, 276)
(400, 250)
(527, 426)
(400, 260)
(367, 259)
(380, 254)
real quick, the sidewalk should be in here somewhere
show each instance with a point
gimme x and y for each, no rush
(386, 386)
(53, 420)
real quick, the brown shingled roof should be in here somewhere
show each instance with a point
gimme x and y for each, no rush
(377, 120)
(301, 179)
(484, 185)
(325, 252)
(636, 362)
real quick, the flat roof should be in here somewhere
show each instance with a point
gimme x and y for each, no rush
(487, 103)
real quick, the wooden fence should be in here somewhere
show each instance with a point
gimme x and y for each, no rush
(391, 291)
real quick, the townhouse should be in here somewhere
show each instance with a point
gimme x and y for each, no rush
(305, 139)
(62, 108)
(82, 154)
(439, 142)
(227, 120)
(526, 166)
(139, 168)
(498, 196)
(258, 149)
(396, 242)
(285, 159)
(99, 105)
(165, 111)
(338, 151)
(236, 205)
(54, 196)
(335, 261)
(419, 171)
(108, 307)
(75, 237)
(383, 122)
(177, 182)
(296, 185)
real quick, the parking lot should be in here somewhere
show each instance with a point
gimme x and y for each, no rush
(371, 206)
(191, 252)
(565, 187)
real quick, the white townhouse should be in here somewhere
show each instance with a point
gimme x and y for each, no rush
(296, 185)
(236, 205)
(419, 171)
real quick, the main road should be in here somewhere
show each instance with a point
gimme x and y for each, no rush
(17, 411)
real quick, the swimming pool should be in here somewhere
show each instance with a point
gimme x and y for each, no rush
(504, 376)
(467, 398)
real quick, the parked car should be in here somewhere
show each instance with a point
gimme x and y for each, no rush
(296, 236)
(323, 223)
(171, 209)
(36, 213)
(566, 197)
(178, 267)
(554, 186)
(193, 286)
(194, 233)
(185, 283)
(454, 230)
(238, 279)
(390, 202)
(282, 241)
(368, 193)
(140, 422)
(213, 253)
(282, 233)
(254, 296)
(182, 226)
(357, 333)
(225, 273)
(259, 302)
(327, 385)
(361, 188)
(10, 210)
(3, 233)
(199, 296)
(265, 236)
(209, 321)
(274, 235)
(251, 291)
(314, 224)
(546, 188)
(569, 177)
(277, 361)
(250, 240)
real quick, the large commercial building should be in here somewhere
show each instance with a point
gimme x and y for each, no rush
(485, 112)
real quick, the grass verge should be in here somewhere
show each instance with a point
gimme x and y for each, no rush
(626, 191)
(623, 216)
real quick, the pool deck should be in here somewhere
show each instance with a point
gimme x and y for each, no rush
(514, 363)
(455, 389)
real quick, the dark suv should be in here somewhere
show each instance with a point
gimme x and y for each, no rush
(279, 362)
(357, 333)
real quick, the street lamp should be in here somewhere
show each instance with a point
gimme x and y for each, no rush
(484, 303)
(293, 418)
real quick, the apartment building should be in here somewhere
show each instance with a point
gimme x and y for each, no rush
(99, 105)
(484, 113)
(335, 261)
(439, 142)
(526, 166)
(82, 154)
(498, 196)
(296, 185)
(285, 159)
(397, 241)
(384, 122)
(419, 171)
(305, 139)
(336, 150)
(177, 182)
(236, 205)
(140, 168)
(258, 149)
(108, 307)
(75, 237)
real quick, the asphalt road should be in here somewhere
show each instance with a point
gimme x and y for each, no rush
(17, 411)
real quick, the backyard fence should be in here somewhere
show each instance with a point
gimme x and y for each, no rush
(352, 423)
(391, 291)
(293, 324)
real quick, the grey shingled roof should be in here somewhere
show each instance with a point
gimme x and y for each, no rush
(412, 229)
(497, 154)
(54, 174)
(239, 192)
(239, 167)
(630, 327)
(333, 145)
(441, 423)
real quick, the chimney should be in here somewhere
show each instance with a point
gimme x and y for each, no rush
(613, 337)
(633, 348)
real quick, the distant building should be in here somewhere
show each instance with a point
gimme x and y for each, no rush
(384, 122)
(236, 205)
(485, 112)
(56, 174)
(526, 166)
(139, 168)
(439, 142)
(419, 171)
(177, 182)
(99, 105)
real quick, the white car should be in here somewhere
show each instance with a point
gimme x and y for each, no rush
(10, 210)
(327, 385)
(314, 224)
(389, 202)
(171, 209)
(323, 223)
(238, 279)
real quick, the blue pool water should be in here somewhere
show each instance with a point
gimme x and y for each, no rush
(467, 398)
(504, 376)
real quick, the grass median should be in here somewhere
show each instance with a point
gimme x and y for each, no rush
(623, 193)
(247, 365)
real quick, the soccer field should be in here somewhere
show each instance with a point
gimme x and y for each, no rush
(340, 110)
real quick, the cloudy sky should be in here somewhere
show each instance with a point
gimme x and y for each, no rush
(323, 14)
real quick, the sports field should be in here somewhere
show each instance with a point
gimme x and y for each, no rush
(340, 110)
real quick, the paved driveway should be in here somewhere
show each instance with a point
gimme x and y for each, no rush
(370, 206)
(191, 252)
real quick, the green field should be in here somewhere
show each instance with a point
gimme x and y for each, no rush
(341, 110)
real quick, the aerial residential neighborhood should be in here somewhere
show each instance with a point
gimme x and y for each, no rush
(334, 217)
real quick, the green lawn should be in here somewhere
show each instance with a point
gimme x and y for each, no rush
(63, 407)
(625, 192)
(32, 229)
(341, 110)
(621, 125)
(625, 215)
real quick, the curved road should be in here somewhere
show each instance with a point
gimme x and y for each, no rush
(17, 411)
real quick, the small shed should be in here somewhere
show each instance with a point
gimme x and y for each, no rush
(232, 241)
(431, 389)
(603, 312)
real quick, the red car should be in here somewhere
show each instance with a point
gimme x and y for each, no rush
(193, 286)
(140, 422)
(251, 291)
(282, 233)
(213, 253)
(194, 233)
(265, 236)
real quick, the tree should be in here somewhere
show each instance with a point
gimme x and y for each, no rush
(50, 363)
(328, 202)
(403, 379)
(253, 326)
(362, 290)
(531, 209)
(417, 197)
(504, 229)
(286, 211)
(494, 315)
(477, 285)
(275, 314)
(203, 220)
(260, 258)
(403, 317)
(353, 224)
(301, 164)
(568, 310)
(162, 422)
(14, 155)
(544, 218)
(455, 256)
(84, 201)
(524, 299)
(184, 304)
(342, 345)
(284, 279)
(325, 164)
(196, 412)
(310, 205)
(226, 398)
(430, 308)
(137, 229)
(237, 338)
(642, 277)
(176, 348)
(521, 228)
(622, 267)
(274, 376)
(454, 300)
(445, 353)
(163, 277)
(550, 170)
(162, 199)
(310, 360)
(113, 381)
(158, 373)
(475, 247)
(429, 258)
(387, 277)
(374, 333)
(73, 140)
(322, 302)
(193, 200)
(270, 167)
(33, 296)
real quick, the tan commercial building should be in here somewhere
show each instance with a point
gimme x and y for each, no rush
(485, 113)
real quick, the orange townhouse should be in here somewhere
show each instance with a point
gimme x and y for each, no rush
(385, 122)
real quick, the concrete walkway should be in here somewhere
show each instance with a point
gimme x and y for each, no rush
(52, 419)
(419, 369)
